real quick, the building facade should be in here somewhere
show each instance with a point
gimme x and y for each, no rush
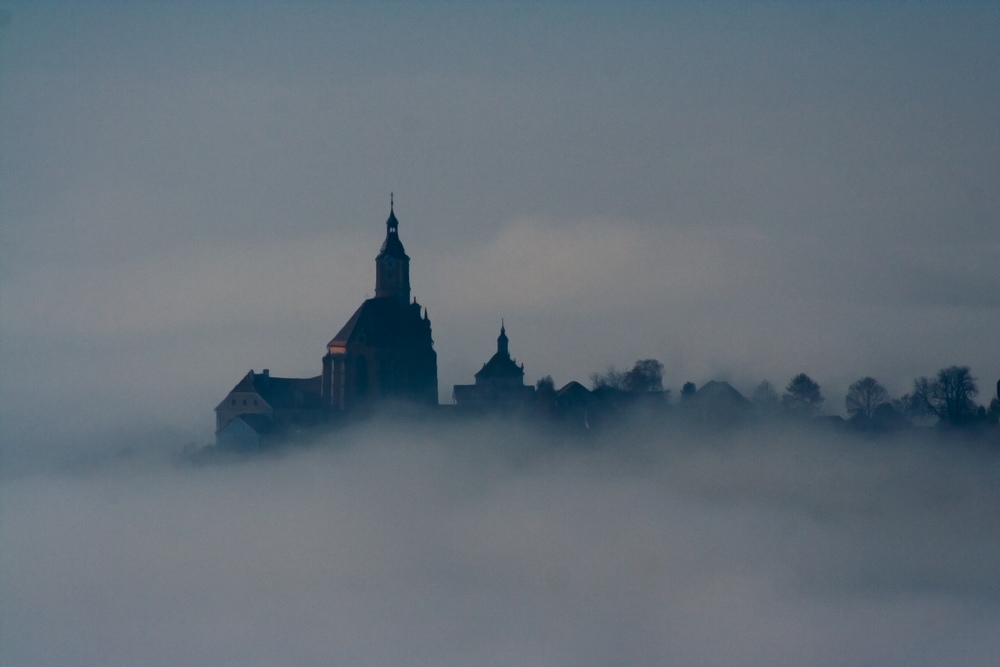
(267, 405)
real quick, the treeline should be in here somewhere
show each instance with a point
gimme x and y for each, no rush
(947, 400)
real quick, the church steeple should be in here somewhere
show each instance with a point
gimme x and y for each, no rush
(502, 342)
(392, 266)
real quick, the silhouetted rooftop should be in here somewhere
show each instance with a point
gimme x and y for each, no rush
(280, 393)
(381, 322)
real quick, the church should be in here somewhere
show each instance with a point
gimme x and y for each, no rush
(499, 383)
(385, 351)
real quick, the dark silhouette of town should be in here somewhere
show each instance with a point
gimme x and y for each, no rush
(384, 356)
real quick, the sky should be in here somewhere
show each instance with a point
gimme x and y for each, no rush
(744, 191)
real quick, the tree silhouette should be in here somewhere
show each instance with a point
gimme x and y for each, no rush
(765, 398)
(688, 391)
(646, 375)
(802, 395)
(948, 396)
(863, 397)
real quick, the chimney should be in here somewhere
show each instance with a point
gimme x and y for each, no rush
(266, 373)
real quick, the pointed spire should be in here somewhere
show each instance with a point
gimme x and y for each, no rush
(502, 341)
(391, 224)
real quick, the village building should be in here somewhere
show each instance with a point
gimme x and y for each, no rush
(499, 383)
(718, 402)
(260, 406)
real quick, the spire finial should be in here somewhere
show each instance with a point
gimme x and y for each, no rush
(390, 202)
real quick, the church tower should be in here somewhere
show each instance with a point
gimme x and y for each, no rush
(392, 265)
(385, 351)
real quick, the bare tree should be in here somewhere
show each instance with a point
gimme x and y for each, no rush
(609, 379)
(802, 395)
(646, 375)
(765, 398)
(948, 396)
(863, 397)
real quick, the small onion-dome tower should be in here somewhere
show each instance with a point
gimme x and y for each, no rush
(503, 343)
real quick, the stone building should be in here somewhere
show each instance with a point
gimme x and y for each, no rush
(260, 405)
(499, 383)
(385, 351)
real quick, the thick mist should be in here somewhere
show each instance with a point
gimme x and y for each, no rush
(743, 191)
(489, 544)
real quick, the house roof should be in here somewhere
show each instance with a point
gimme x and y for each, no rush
(280, 393)
(721, 394)
(260, 423)
(573, 388)
(381, 322)
(573, 393)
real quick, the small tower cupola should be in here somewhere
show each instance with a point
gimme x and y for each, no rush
(392, 266)
(503, 342)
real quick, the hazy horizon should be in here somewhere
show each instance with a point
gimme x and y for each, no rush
(190, 191)
(742, 191)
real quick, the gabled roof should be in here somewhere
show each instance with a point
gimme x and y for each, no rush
(260, 424)
(573, 388)
(279, 393)
(290, 393)
(721, 394)
(382, 322)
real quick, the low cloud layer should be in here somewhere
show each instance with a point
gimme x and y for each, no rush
(412, 545)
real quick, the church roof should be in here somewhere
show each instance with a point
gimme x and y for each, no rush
(500, 365)
(381, 322)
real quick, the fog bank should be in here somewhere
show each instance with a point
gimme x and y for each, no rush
(461, 545)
